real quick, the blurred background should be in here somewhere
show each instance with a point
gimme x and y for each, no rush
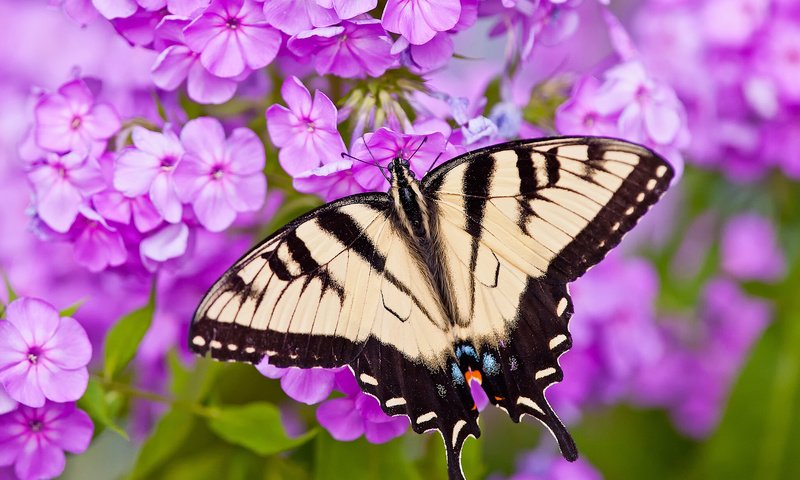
(686, 357)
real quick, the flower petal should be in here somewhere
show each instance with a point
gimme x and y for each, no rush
(42, 460)
(61, 385)
(21, 384)
(309, 386)
(72, 432)
(212, 209)
(36, 320)
(204, 137)
(69, 348)
(204, 87)
(341, 419)
(245, 152)
(134, 172)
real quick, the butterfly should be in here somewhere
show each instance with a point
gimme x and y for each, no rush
(461, 276)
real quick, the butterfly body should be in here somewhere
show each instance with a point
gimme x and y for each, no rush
(459, 277)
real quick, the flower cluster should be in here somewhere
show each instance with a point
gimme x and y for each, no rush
(129, 207)
(43, 360)
(736, 75)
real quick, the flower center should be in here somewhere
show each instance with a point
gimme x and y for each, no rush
(589, 119)
(33, 355)
(233, 23)
(310, 127)
(168, 162)
(35, 425)
(75, 123)
(217, 172)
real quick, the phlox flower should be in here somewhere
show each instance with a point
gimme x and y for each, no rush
(579, 115)
(421, 151)
(70, 120)
(42, 356)
(306, 131)
(419, 20)
(433, 54)
(116, 207)
(96, 245)
(7, 403)
(331, 181)
(148, 168)
(305, 385)
(220, 176)
(295, 16)
(346, 9)
(750, 250)
(34, 439)
(231, 37)
(178, 63)
(358, 414)
(351, 49)
(61, 184)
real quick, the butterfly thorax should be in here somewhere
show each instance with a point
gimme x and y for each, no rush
(409, 203)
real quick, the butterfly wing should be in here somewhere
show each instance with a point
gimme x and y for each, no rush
(516, 223)
(341, 286)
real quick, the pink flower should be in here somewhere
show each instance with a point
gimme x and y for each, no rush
(331, 181)
(96, 245)
(61, 185)
(148, 169)
(351, 50)
(305, 385)
(114, 206)
(220, 177)
(42, 356)
(348, 8)
(306, 131)
(178, 63)
(579, 115)
(422, 151)
(34, 439)
(7, 404)
(295, 16)
(70, 120)
(233, 36)
(419, 20)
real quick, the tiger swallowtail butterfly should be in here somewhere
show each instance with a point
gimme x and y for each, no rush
(459, 276)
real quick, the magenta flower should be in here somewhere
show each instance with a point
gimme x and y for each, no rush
(7, 403)
(331, 181)
(579, 115)
(750, 249)
(232, 36)
(178, 63)
(431, 55)
(422, 151)
(309, 386)
(112, 9)
(114, 206)
(61, 184)
(419, 20)
(351, 50)
(34, 439)
(358, 414)
(295, 16)
(306, 131)
(70, 120)
(220, 176)
(148, 169)
(42, 356)
(346, 9)
(96, 245)
(166, 244)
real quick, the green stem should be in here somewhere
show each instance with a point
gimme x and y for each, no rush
(785, 386)
(130, 391)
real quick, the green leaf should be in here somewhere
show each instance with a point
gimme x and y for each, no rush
(10, 293)
(70, 311)
(96, 403)
(361, 460)
(167, 438)
(124, 338)
(255, 426)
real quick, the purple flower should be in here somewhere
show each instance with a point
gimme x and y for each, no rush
(580, 115)
(750, 249)
(34, 439)
(232, 36)
(114, 206)
(331, 181)
(96, 245)
(112, 9)
(422, 151)
(61, 184)
(780, 56)
(351, 50)
(431, 55)
(306, 131)
(295, 16)
(166, 244)
(305, 385)
(419, 20)
(148, 169)
(7, 404)
(42, 356)
(358, 414)
(178, 63)
(70, 120)
(220, 176)
(346, 9)
(543, 464)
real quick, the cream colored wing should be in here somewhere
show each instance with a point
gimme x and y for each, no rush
(313, 293)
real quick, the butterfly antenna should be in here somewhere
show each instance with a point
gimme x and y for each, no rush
(434, 162)
(374, 164)
(424, 139)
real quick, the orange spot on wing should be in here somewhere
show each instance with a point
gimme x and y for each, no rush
(473, 375)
